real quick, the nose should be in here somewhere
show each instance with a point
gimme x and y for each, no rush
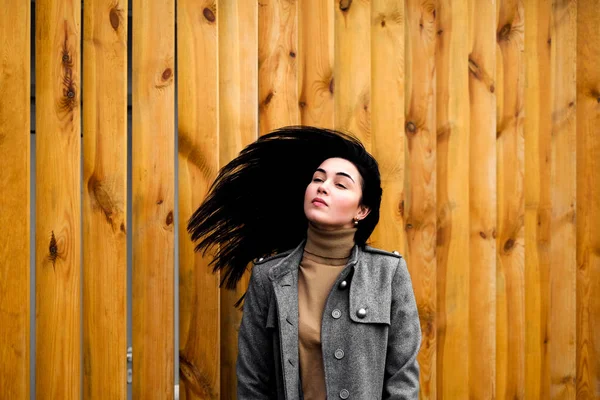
(322, 188)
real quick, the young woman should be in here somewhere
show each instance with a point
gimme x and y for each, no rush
(325, 316)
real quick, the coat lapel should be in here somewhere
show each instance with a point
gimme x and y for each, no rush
(284, 278)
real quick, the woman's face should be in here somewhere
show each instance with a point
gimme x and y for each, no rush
(332, 198)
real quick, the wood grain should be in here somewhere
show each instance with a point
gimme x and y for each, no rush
(510, 336)
(482, 216)
(453, 230)
(315, 70)
(238, 126)
(153, 178)
(563, 270)
(352, 70)
(588, 193)
(15, 307)
(417, 206)
(58, 210)
(105, 200)
(387, 119)
(199, 323)
(277, 64)
(537, 131)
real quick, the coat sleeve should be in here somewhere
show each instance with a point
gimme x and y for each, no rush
(254, 366)
(404, 341)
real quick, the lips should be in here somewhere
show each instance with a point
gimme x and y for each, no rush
(318, 200)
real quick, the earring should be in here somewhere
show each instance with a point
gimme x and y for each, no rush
(355, 221)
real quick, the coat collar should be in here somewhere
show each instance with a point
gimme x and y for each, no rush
(281, 270)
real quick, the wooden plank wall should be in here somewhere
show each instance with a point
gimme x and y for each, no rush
(315, 65)
(510, 308)
(418, 205)
(198, 67)
(588, 193)
(153, 198)
(238, 126)
(537, 197)
(482, 201)
(452, 248)
(483, 116)
(58, 199)
(105, 199)
(15, 307)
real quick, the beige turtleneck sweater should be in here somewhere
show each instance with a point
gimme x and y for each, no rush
(325, 255)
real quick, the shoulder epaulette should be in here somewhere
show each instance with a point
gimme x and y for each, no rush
(384, 252)
(263, 260)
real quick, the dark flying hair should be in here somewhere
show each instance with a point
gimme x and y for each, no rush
(255, 207)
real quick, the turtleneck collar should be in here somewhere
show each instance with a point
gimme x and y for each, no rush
(329, 244)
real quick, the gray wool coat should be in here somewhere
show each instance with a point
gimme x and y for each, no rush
(370, 331)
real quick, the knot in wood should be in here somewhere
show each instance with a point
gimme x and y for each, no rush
(209, 14)
(504, 32)
(114, 18)
(345, 4)
(509, 245)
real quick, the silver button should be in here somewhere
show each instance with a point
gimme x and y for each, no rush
(344, 394)
(343, 285)
(336, 313)
(396, 253)
(260, 259)
(339, 354)
(361, 313)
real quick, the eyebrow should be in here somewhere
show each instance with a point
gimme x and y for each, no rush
(337, 173)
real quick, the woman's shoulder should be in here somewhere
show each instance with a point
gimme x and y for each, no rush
(381, 252)
(272, 258)
(388, 262)
(262, 265)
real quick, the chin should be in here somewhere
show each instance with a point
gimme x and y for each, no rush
(316, 220)
(324, 224)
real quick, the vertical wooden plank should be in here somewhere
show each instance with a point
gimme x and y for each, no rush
(199, 322)
(453, 232)
(238, 126)
(315, 73)
(387, 52)
(418, 203)
(482, 177)
(58, 210)
(352, 71)
(153, 198)
(510, 361)
(588, 193)
(105, 200)
(537, 131)
(562, 343)
(277, 66)
(15, 200)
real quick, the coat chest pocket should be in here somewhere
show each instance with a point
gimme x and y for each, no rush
(370, 308)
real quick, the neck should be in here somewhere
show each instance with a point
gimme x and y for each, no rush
(330, 244)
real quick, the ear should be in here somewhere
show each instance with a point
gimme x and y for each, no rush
(362, 212)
